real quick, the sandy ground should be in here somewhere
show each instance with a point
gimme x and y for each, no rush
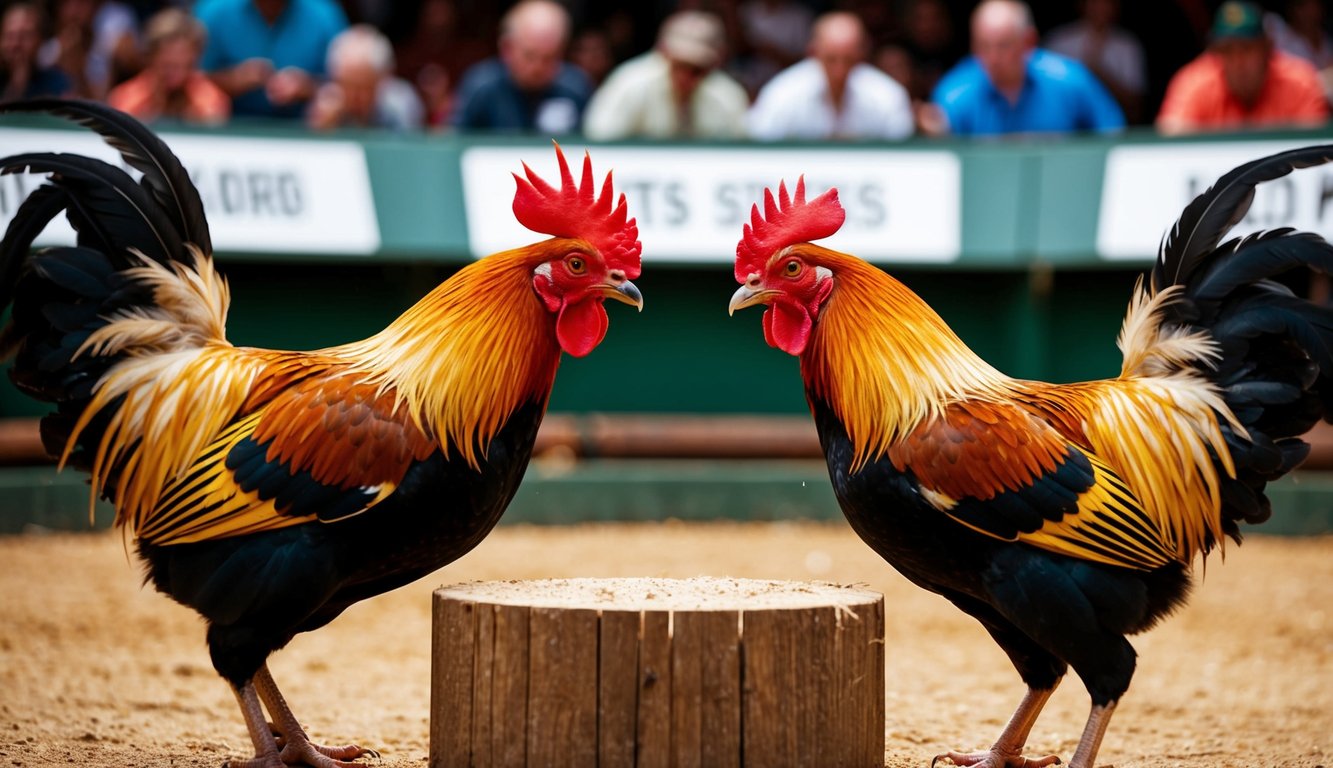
(95, 670)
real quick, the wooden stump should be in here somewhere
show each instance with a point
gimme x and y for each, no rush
(648, 673)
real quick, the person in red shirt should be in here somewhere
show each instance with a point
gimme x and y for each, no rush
(172, 85)
(1242, 81)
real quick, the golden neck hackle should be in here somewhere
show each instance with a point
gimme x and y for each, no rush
(885, 361)
(468, 354)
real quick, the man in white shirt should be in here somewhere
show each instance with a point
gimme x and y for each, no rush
(674, 91)
(833, 93)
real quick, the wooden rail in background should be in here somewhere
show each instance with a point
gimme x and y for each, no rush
(690, 436)
(20, 443)
(640, 436)
(591, 436)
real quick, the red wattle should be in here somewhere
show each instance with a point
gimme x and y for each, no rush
(787, 327)
(581, 326)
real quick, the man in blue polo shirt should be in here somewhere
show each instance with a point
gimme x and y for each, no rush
(1008, 85)
(268, 55)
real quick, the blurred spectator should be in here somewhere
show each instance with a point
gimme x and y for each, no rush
(268, 55)
(896, 62)
(95, 43)
(623, 34)
(1008, 85)
(675, 90)
(834, 93)
(930, 41)
(1300, 31)
(172, 85)
(1242, 81)
(1113, 54)
(362, 91)
(436, 54)
(529, 87)
(591, 53)
(882, 21)
(773, 34)
(435, 91)
(21, 76)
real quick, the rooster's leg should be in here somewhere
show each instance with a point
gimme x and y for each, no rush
(266, 749)
(297, 749)
(1007, 751)
(1093, 732)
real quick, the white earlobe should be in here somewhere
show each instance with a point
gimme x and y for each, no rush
(822, 274)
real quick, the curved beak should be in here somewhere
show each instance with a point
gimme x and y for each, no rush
(745, 296)
(624, 292)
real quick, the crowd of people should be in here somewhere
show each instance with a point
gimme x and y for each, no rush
(766, 70)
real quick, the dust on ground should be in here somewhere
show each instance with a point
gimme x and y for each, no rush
(96, 670)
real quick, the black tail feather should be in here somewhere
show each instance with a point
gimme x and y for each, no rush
(29, 220)
(1251, 259)
(1207, 219)
(65, 295)
(1262, 316)
(1275, 370)
(108, 210)
(164, 176)
(58, 297)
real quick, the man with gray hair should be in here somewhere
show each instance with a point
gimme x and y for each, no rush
(362, 91)
(529, 87)
(675, 90)
(1009, 85)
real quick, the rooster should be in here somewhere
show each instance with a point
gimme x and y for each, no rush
(1061, 517)
(270, 490)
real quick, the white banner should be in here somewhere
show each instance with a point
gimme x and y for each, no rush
(1146, 188)
(260, 195)
(690, 203)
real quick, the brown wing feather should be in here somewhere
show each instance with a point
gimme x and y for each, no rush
(346, 433)
(1001, 468)
(320, 429)
(978, 449)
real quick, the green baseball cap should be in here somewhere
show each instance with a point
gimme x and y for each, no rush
(1238, 20)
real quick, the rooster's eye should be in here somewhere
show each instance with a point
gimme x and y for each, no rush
(793, 268)
(576, 265)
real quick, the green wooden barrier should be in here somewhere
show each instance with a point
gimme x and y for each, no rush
(38, 498)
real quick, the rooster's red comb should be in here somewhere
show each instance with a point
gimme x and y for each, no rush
(786, 221)
(571, 211)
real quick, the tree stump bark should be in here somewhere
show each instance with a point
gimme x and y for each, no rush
(648, 673)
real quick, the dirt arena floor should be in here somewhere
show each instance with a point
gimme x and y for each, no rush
(97, 671)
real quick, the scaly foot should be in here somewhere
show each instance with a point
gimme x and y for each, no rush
(294, 747)
(299, 750)
(349, 752)
(995, 759)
